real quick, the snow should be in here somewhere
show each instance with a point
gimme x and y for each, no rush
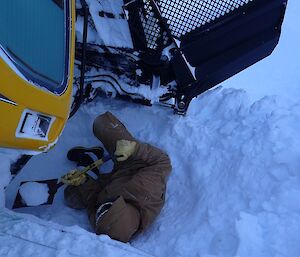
(112, 32)
(235, 174)
(279, 73)
(34, 193)
(141, 92)
(235, 185)
(29, 236)
(7, 157)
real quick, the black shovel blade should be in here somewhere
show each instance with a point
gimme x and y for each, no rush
(53, 186)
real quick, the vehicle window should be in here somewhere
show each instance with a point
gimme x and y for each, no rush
(34, 35)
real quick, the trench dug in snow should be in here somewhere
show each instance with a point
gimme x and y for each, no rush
(234, 186)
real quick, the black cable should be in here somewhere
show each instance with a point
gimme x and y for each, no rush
(116, 81)
(79, 96)
(125, 92)
(108, 82)
(129, 55)
(166, 97)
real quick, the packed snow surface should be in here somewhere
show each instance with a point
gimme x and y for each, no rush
(235, 185)
(28, 236)
(34, 193)
(235, 182)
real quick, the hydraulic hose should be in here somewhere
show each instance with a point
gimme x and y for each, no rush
(79, 95)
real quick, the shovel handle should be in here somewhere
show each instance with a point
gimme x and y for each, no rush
(88, 168)
(96, 164)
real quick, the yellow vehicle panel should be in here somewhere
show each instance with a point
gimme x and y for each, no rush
(18, 95)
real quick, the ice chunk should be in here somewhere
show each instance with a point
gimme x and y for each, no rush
(34, 193)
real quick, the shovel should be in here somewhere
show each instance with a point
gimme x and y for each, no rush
(54, 185)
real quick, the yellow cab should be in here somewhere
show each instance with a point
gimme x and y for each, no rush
(36, 71)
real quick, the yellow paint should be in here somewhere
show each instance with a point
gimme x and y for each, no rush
(28, 96)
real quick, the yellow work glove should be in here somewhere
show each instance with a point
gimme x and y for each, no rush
(74, 178)
(124, 149)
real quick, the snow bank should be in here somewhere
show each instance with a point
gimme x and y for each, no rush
(28, 236)
(234, 189)
(235, 182)
(230, 159)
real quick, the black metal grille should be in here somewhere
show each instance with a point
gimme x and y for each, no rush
(184, 16)
(151, 25)
(145, 25)
(181, 16)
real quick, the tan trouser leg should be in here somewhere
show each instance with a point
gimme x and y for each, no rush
(79, 197)
(121, 221)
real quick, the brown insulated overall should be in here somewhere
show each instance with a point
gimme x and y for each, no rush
(136, 186)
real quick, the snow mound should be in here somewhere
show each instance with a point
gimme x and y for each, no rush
(234, 189)
(34, 193)
(27, 236)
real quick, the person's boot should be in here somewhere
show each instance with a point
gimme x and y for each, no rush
(84, 156)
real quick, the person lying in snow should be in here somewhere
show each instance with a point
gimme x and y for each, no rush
(127, 200)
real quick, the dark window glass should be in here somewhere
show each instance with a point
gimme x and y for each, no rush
(34, 35)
